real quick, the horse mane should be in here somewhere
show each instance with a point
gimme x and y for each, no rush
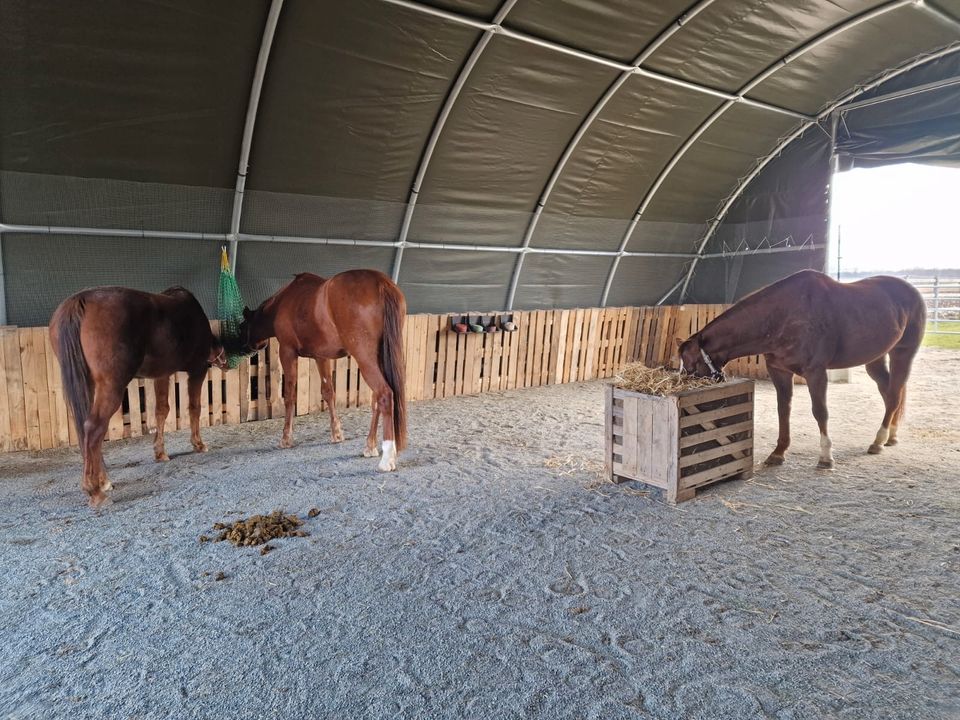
(177, 290)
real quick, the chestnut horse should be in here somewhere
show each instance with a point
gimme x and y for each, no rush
(808, 323)
(104, 337)
(358, 313)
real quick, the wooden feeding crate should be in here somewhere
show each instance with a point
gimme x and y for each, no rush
(680, 442)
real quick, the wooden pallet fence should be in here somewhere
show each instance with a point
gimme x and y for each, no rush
(548, 347)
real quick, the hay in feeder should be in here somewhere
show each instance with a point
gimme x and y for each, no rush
(259, 529)
(637, 377)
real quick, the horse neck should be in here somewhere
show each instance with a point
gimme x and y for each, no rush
(738, 332)
(266, 315)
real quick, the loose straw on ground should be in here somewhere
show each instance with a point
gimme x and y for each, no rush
(637, 377)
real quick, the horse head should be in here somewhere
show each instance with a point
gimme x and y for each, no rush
(694, 359)
(218, 355)
(254, 335)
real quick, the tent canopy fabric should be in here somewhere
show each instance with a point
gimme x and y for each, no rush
(546, 153)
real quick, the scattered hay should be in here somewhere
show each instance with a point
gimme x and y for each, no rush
(637, 377)
(258, 529)
(569, 465)
(313, 512)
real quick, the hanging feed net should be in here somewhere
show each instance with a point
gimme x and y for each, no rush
(229, 311)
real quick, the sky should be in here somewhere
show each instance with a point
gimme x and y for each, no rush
(897, 217)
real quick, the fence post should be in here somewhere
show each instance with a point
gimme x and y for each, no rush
(936, 303)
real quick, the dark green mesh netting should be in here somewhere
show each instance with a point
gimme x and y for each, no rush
(229, 311)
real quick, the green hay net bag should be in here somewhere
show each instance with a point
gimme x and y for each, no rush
(229, 311)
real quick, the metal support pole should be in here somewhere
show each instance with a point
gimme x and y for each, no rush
(266, 42)
(936, 303)
(489, 32)
(832, 193)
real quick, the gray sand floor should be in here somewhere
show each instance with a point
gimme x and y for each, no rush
(478, 583)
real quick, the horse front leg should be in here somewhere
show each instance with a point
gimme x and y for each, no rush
(817, 384)
(161, 389)
(196, 383)
(783, 382)
(288, 361)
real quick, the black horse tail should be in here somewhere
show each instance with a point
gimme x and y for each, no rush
(73, 365)
(391, 356)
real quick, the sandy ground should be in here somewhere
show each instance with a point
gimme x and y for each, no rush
(477, 583)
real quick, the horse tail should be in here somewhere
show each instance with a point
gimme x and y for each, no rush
(391, 356)
(73, 365)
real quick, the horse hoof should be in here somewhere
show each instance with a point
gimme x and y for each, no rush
(337, 437)
(200, 448)
(371, 452)
(386, 466)
(774, 460)
(825, 465)
(161, 457)
(891, 442)
(286, 444)
(100, 501)
(875, 449)
(107, 486)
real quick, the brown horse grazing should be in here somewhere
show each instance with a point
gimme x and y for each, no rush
(808, 323)
(357, 312)
(104, 337)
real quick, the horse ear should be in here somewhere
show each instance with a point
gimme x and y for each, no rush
(247, 312)
(679, 342)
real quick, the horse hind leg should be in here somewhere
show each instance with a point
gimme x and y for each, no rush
(95, 481)
(901, 360)
(382, 407)
(161, 389)
(371, 450)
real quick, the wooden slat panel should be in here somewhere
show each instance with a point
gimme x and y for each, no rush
(709, 475)
(231, 402)
(450, 339)
(31, 396)
(178, 417)
(6, 434)
(136, 413)
(215, 381)
(561, 341)
(700, 418)
(58, 405)
(715, 434)
(704, 455)
(246, 406)
(631, 450)
(303, 386)
(341, 380)
(715, 392)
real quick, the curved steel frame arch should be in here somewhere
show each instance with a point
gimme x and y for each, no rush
(823, 37)
(496, 27)
(763, 162)
(438, 126)
(588, 121)
(256, 87)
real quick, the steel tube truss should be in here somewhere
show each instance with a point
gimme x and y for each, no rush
(256, 87)
(306, 240)
(438, 126)
(785, 141)
(652, 191)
